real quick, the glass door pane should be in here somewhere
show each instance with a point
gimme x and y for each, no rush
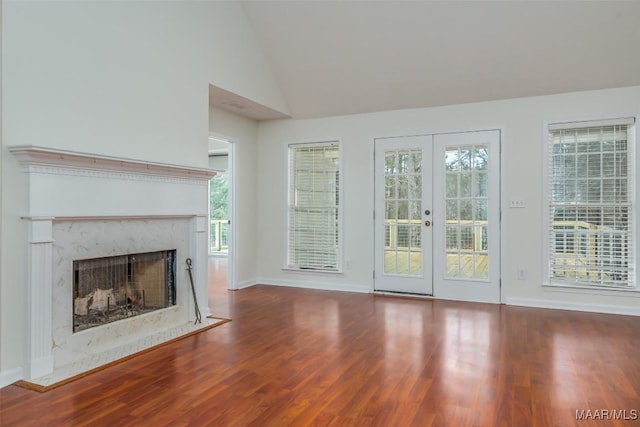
(466, 202)
(403, 211)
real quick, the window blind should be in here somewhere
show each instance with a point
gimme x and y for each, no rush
(314, 206)
(591, 204)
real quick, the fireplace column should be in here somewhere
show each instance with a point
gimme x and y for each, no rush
(40, 359)
(200, 251)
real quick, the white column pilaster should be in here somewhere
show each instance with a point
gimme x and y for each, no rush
(40, 285)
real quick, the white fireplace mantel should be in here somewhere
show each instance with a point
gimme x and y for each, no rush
(31, 157)
(71, 187)
(67, 183)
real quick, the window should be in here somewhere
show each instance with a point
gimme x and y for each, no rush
(219, 213)
(314, 206)
(590, 185)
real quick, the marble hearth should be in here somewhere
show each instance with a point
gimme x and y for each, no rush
(84, 206)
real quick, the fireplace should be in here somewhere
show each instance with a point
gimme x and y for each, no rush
(113, 288)
(108, 239)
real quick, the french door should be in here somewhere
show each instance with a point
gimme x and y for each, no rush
(403, 234)
(437, 214)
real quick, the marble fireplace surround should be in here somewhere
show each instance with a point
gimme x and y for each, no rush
(86, 206)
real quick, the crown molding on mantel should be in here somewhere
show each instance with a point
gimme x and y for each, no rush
(31, 156)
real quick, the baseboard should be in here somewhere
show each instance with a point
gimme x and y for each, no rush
(324, 286)
(246, 284)
(11, 376)
(563, 305)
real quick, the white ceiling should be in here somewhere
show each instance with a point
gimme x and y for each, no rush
(344, 57)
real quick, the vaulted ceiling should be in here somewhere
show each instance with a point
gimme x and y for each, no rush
(345, 57)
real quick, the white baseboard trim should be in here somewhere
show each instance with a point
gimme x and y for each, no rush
(578, 306)
(323, 286)
(11, 376)
(246, 284)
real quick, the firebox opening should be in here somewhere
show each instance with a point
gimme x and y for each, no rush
(109, 289)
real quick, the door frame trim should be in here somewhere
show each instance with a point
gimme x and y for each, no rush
(232, 171)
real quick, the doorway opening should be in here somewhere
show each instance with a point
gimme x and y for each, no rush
(221, 261)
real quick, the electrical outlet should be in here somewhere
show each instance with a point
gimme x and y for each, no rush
(516, 202)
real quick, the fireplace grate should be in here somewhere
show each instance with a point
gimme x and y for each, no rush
(113, 288)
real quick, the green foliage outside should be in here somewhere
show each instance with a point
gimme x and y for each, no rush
(218, 201)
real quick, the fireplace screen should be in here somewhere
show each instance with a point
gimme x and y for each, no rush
(114, 288)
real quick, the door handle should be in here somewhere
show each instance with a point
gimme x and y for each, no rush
(427, 223)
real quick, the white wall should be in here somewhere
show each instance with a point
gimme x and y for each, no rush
(522, 140)
(244, 133)
(219, 162)
(126, 79)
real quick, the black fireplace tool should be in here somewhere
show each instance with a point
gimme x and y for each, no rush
(193, 290)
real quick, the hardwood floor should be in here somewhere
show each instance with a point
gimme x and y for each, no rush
(218, 294)
(306, 357)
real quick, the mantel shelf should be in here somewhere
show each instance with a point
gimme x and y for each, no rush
(30, 155)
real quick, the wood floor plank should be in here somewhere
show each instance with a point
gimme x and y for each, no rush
(305, 357)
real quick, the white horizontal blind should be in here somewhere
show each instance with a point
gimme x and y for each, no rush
(591, 207)
(314, 206)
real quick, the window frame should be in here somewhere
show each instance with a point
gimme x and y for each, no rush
(632, 180)
(289, 151)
